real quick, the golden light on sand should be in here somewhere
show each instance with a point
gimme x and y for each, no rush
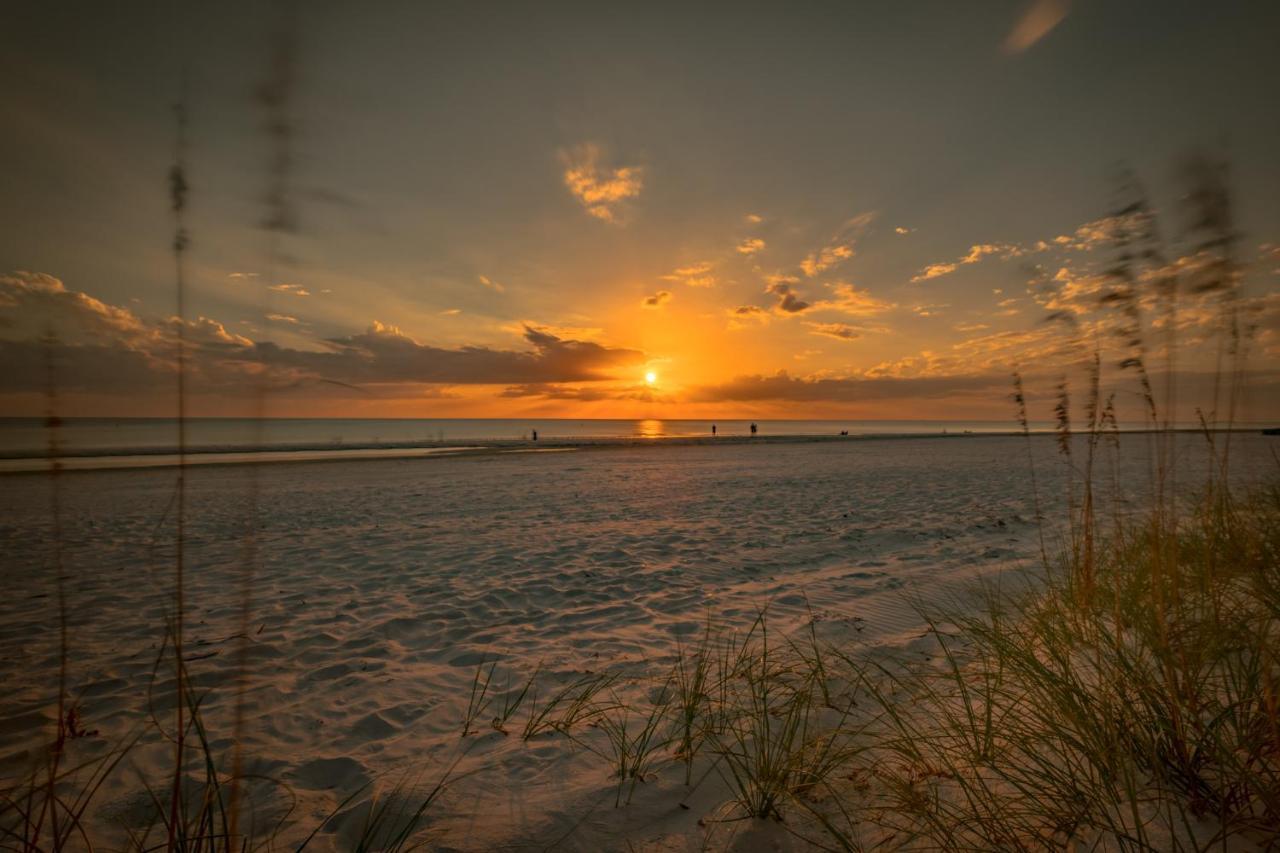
(650, 378)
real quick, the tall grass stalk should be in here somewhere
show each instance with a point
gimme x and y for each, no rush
(692, 685)
(478, 699)
(634, 748)
(513, 699)
(178, 189)
(572, 705)
(276, 97)
(1024, 425)
(774, 748)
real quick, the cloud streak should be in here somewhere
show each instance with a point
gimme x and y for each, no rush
(291, 289)
(694, 275)
(839, 331)
(747, 316)
(854, 301)
(1037, 21)
(1088, 237)
(825, 258)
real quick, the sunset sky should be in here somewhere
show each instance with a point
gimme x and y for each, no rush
(509, 210)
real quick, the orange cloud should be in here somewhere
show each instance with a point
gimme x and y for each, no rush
(934, 271)
(839, 331)
(825, 259)
(854, 301)
(600, 190)
(695, 275)
(976, 253)
(291, 289)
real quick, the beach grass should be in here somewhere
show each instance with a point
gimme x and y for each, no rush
(1097, 711)
(775, 746)
(692, 680)
(1124, 696)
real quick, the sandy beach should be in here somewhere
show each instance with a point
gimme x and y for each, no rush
(381, 585)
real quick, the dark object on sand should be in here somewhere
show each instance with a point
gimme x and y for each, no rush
(1271, 431)
(535, 435)
(713, 429)
(753, 429)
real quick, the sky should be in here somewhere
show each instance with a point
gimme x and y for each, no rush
(857, 210)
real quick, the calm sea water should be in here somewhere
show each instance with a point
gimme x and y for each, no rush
(29, 436)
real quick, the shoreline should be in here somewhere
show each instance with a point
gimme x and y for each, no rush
(117, 459)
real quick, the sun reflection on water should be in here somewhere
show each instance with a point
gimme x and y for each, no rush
(650, 428)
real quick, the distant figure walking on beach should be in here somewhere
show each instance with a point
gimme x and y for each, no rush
(713, 429)
(753, 428)
(535, 435)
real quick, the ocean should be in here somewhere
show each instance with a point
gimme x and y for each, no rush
(30, 437)
(29, 445)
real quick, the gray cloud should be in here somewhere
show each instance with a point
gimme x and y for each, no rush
(553, 391)
(29, 364)
(657, 300)
(782, 386)
(385, 354)
(747, 316)
(789, 302)
(98, 347)
(1195, 387)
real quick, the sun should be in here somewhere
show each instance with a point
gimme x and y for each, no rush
(650, 377)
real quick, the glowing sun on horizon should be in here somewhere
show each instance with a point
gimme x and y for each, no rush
(650, 377)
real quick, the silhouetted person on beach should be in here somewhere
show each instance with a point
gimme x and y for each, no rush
(535, 435)
(713, 429)
(753, 428)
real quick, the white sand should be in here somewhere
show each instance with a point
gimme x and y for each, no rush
(383, 583)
